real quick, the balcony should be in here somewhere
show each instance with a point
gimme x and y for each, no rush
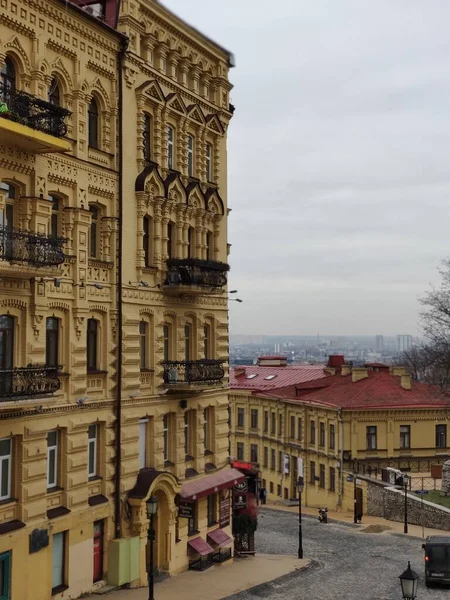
(195, 276)
(32, 124)
(24, 249)
(28, 382)
(193, 374)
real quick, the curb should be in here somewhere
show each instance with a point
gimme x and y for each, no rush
(261, 590)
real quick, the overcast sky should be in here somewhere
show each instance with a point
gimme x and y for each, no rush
(339, 159)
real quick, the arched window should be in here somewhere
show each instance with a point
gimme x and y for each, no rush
(8, 79)
(207, 340)
(170, 239)
(167, 346)
(191, 242)
(52, 342)
(170, 147)
(147, 227)
(55, 220)
(210, 246)
(190, 155)
(188, 342)
(147, 137)
(209, 158)
(54, 96)
(6, 354)
(7, 213)
(93, 124)
(93, 232)
(143, 345)
(92, 345)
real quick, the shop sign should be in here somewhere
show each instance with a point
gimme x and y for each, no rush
(241, 487)
(186, 510)
(224, 508)
(240, 501)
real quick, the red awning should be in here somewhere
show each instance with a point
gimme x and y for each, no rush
(219, 537)
(200, 546)
(194, 490)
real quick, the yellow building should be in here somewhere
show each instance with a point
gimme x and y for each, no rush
(111, 390)
(338, 421)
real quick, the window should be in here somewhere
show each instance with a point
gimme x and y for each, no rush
(208, 172)
(207, 341)
(192, 521)
(371, 433)
(240, 417)
(190, 155)
(170, 146)
(441, 436)
(54, 96)
(5, 575)
(208, 424)
(271, 487)
(240, 450)
(332, 438)
(280, 424)
(312, 438)
(266, 421)
(93, 232)
(51, 342)
(143, 424)
(5, 468)
(253, 453)
(405, 436)
(212, 510)
(93, 127)
(273, 465)
(166, 342)
(299, 429)
(92, 450)
(266, 457)
(292, 430)
(6, 352)
(322, 434)
(322, 475)
(273, 424)
(312, 472)
(191, 242)
(55, 218)
(8, 79)
(170, 230)
(279, 490)
(143, 342)
(209, 246)
(58, 561)
(52, 459)
(280, 461)
(189, 434)
(166, 438)
(187, 342)
(254, 418)
(147, 136)
(92, 345)
(332, 479)
(146, 226)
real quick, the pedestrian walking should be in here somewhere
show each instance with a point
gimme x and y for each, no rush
(263, 495)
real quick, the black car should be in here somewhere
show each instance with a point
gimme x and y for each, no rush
(437, 559)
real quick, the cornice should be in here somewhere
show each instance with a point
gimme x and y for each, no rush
(103, 71)
(16, 25)
(36, 413)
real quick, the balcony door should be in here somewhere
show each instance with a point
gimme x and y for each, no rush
(6, 353)
(7, 221)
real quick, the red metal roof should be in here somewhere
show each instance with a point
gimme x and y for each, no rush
(379, 389)
(278, 376)
(194, 490)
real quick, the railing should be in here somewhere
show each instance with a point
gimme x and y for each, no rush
(222, 555)
(38, 250)
(196, 272)
(33, 112)
(196, 372)
(30, 381)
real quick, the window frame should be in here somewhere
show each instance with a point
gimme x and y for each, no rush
(208, 161)
(240, 450)
(254, 418)
(54, 97)
(371, 437)
(240, 417)
(5, 557)
(92, 346)
(312, 472)
(143, 435)
(299, 429)
(332, 479)
(146, 237)
(321, 434)
(332, 436)
(166, 438)
(55, 217)
(147, 137)
(322, 475)
(93, 450)
(52, 336)
(53, 449)
(190, 145)
(193, 521)
(273, 423)
(93, 232)
(93, 123)
(143, 345)
(8, 76)
(167, 341)
(254, 453)
(442, 433)
(61, 586)
(405, 437)
(266, 457)
(8, 459)
(312, 432)
(292, 427)
(170, 147)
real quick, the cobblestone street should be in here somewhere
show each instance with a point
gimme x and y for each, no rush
(349, 565)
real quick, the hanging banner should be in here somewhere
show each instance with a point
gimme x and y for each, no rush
(287, 464)
(224, 508)
(300, 467)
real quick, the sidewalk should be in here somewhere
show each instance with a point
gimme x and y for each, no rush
(219, 581)
(347, 517)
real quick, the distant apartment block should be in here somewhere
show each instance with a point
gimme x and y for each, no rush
(404, 342)
(379, 343)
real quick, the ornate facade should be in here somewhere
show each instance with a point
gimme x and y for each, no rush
(113, 366)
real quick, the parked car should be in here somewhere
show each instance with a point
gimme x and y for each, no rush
(437, 559)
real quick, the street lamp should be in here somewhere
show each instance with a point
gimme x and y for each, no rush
(152, 509)
(405, 483)
(300, 535)
(409, 580)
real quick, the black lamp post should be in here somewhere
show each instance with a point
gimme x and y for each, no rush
(152, 509)
(409, 580)
(405, 483)
(300, 533)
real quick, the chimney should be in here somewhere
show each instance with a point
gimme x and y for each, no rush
(359, 373)
(346, 370)
(330, 370)
(405, 382)
(272, 361)
(399, 371)
(238, 371)
(335, 361)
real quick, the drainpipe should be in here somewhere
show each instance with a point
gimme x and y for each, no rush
(117, 478)
(341, 470)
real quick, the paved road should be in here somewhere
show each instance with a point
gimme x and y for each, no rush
(351, 565)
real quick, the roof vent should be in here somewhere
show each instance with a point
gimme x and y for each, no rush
(270, 377)
(272, 361)
(238, 371)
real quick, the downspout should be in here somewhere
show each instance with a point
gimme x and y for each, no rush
(341, 450)
(117, 478)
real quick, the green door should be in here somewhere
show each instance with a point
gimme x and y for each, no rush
(5, 576)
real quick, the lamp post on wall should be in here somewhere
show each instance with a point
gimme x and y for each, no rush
(300, 533)
(152, 509)
(405, 483)
(409, 580)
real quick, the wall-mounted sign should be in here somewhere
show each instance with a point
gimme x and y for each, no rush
(38, 540)
(287, 464)
(300, 467)
(240, 501)
(224, 508)
(186, 510)
(241, 487)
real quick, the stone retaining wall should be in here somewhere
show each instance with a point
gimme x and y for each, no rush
(386, 501)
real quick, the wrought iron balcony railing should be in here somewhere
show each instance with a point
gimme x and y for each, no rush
(193, 372)
(33, 112)
(32, 248)
(196, 272)
(28, 382)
